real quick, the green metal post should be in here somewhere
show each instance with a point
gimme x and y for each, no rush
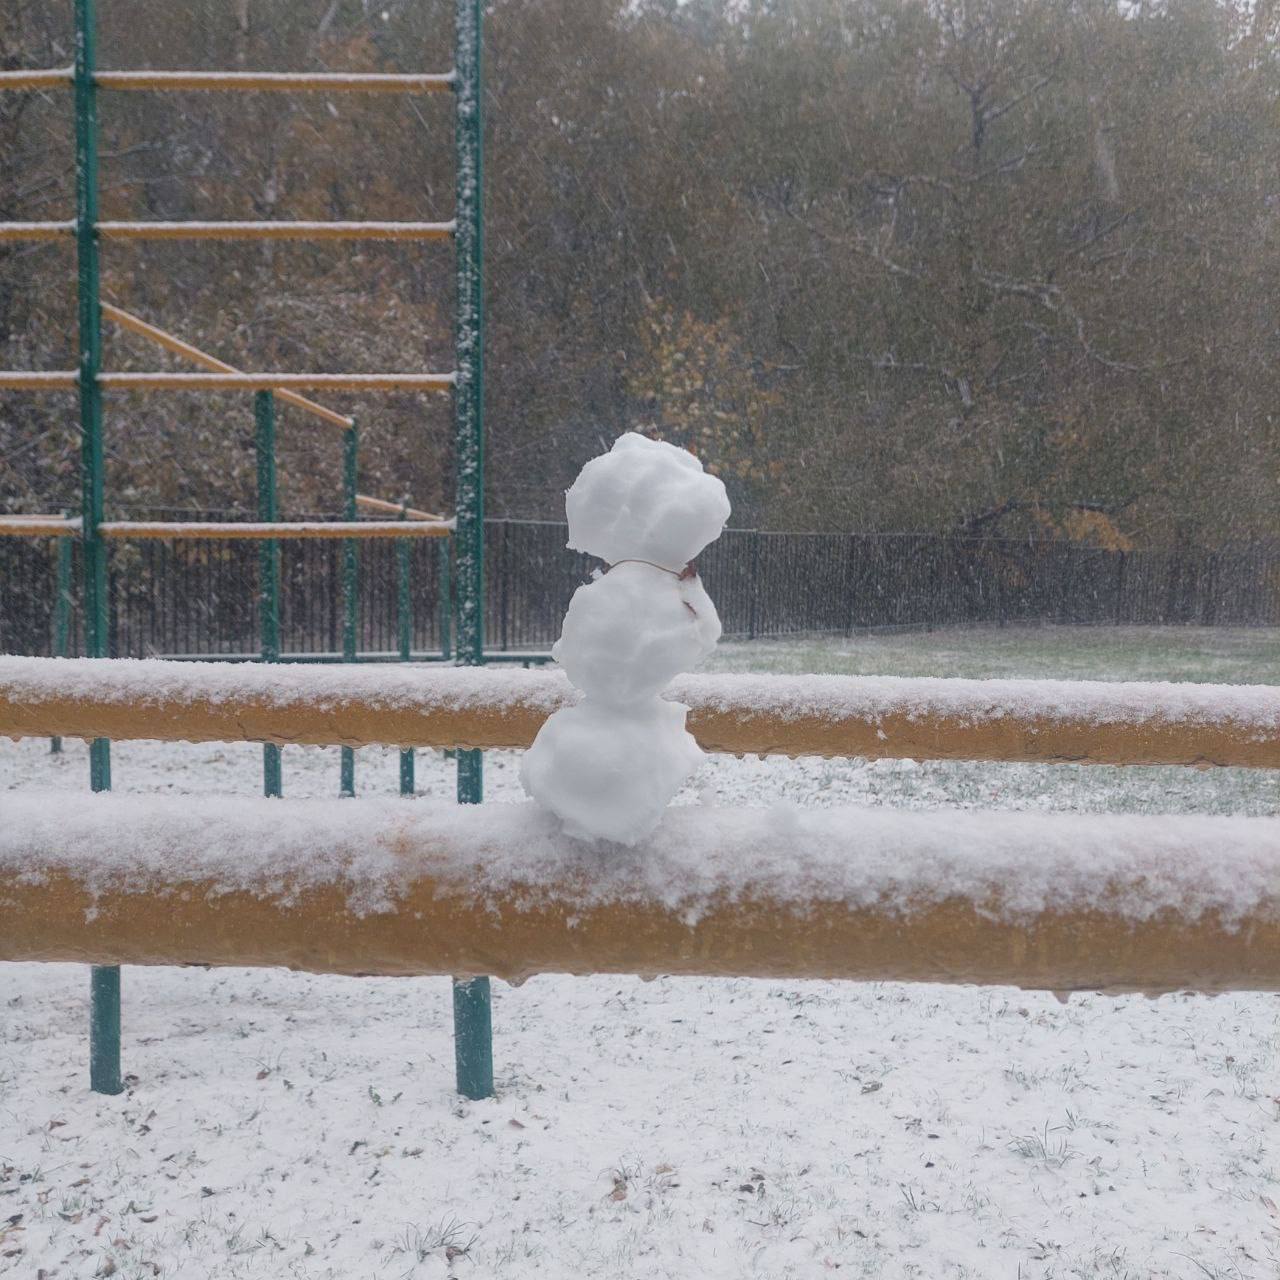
(104, 985)
(61, 612)
(350, 588)
(445, 603)
(264, 416)
(472, 1026)
(404, 625)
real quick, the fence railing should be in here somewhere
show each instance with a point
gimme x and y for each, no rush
(188, 597)
(1061, 902)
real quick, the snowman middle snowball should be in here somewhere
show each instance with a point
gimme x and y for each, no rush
(609, 766)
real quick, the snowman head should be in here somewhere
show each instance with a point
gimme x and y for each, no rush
(645, 500)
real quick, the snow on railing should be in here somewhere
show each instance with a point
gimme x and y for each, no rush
(235, 230)
(1088, 722)
(19, 231)
(275, 230)
(18, 526)
(275, 81)
(1050, 902)
(262, 530)
(241, 81)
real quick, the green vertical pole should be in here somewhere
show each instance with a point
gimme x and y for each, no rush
(444, 569)
(445, 603)
(264, 416)
(350, 587)
(104, 984)
(404, 625)
(472, 1019)
(61, 612)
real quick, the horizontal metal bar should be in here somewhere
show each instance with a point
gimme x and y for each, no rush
(11, 231)
(1060, 902)
(875, 717)
(394, 508)
(261, 531)
(272, 81)
(175, 344)
(513, 656)
(38, 380)
(275, 230)
(54, 78)
(414, 231)
(275, 381)
(38, 527)
(68, 380)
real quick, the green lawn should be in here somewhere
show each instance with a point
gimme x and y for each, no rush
(1213, 655)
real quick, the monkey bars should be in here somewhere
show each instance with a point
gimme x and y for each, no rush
(473, 1048)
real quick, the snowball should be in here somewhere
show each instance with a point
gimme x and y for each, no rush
(608, 776)
(629, 632)
(645, 500)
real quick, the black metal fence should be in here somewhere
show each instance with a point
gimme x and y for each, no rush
(201, 597)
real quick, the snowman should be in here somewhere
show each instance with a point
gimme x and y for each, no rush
(608, 766)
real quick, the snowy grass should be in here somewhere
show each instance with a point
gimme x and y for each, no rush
(289, 1125)
(1213, 655)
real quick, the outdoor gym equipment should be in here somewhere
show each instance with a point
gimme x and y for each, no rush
(471, 999)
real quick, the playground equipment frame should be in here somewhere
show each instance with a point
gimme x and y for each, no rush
(472, 1017)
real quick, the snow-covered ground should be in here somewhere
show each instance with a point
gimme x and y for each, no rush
(280, 1124)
